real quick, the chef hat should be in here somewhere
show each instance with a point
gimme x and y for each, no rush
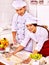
(31, 22)
(17, 4)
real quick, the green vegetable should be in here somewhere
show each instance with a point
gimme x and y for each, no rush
(36, 56)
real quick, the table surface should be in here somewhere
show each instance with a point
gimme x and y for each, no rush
(12, 62)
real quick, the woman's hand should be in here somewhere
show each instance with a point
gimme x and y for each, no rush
(27, 60)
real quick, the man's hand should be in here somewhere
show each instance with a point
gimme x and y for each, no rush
(27, 60)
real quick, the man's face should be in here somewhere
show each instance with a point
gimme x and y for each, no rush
(21, 11)
(31, 28)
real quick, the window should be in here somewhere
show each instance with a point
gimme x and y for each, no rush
(37, 2)
(41, 1)
(34, 2)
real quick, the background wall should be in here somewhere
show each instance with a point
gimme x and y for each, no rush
(6, 12)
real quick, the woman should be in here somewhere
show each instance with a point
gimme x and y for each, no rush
(34, 33)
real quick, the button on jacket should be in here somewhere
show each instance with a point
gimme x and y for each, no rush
(18, 24)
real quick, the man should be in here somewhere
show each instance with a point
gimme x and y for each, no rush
(19, 20)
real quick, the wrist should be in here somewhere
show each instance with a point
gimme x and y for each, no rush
(35, 51)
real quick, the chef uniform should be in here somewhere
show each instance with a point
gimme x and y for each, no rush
(40, 36)
(18, 22)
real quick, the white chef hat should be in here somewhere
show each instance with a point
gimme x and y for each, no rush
(17, 4)
(31, 22)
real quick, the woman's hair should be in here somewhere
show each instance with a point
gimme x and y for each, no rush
(34, 24)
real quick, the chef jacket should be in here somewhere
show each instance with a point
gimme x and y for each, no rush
(18, 24)
(40, 36)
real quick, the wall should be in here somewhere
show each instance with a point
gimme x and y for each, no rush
(6, 12)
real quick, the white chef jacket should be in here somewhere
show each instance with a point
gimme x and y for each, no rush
(18, 24)
(40, 36)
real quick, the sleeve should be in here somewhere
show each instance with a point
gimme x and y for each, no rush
(39, 44)
(14, 22)
(25, 41)
(43, 37)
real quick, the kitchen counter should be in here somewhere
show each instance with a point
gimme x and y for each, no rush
(20, 56)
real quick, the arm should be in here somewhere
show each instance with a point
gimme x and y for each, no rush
(39, 45)
(22, 45)
(18, 49)
(14, 28)
(14, 36)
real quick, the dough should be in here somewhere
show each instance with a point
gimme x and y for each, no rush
(8, 58)
(16, 59)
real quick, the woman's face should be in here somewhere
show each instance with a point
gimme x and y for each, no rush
(21, 11)
(31, 28)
